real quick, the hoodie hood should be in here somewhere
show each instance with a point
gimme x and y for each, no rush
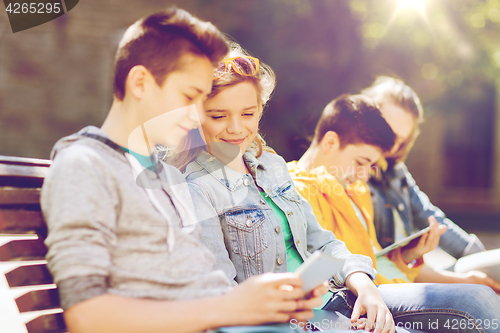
(70, 139)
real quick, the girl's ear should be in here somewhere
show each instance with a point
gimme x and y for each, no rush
(137, 81)
(330, 142)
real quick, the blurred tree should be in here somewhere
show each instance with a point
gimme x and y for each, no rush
(448, 51)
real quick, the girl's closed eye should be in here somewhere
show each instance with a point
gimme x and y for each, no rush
(216, 117)
(248, 114)
(189, 98)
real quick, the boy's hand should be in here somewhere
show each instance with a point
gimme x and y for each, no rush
(369, 301)
(270, 298)
(314, 297)
(424, 243)
(312, 300)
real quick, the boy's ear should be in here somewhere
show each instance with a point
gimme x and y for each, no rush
(137, 80)
(330, 141)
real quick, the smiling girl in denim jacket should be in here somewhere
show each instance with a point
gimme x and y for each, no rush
(252, 217)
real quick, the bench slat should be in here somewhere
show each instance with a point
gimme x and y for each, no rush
(23, 171)
(19, 172)
(24, 161)
(22, 221)
(19, 196)
(39, 300)
(29, 249)
(53, 323)
(19, 181)
(29, 275)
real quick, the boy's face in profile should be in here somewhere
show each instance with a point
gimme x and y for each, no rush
(352, 162)
(172, 110)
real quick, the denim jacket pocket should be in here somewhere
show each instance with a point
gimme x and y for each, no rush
(287, 192)
(246, 232)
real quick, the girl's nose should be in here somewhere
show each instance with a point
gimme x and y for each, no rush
(234, 126)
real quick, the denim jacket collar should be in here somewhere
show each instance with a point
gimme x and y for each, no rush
(252, 162)
(225, 175)
(399, 171)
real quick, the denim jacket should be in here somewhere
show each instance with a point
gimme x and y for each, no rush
(240, 227)
(397, 188)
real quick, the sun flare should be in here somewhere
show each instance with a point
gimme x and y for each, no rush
(415, 4)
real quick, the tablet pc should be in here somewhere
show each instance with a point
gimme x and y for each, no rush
(318, 268)
(402, 242)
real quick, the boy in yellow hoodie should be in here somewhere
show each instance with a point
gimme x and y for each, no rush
(350, 137)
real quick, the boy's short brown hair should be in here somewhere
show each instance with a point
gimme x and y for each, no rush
(158, 41)
(356, 120)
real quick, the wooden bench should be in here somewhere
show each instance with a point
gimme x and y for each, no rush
(29, 301)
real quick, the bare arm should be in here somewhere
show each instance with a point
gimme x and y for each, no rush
(112, 313)
(475, 277)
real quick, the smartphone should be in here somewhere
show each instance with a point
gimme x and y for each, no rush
(318, 268)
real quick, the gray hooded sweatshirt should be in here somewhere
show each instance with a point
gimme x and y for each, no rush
(112, 233)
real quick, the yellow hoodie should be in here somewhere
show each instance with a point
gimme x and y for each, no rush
(332, 206)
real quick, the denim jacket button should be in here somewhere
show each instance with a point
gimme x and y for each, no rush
(277, 230)
(262, 201)
(401, 207)
(246, 181)
(279, 261)
(249, 223)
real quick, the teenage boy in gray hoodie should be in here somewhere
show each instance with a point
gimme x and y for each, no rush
(123, 244)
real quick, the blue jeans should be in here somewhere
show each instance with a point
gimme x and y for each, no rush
(326, 321)
(432, 307)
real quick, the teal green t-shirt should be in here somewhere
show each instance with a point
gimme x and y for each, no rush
(293, 258)
(146, 161)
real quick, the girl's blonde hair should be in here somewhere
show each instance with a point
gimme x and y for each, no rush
(264, 81)
(387, 89)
